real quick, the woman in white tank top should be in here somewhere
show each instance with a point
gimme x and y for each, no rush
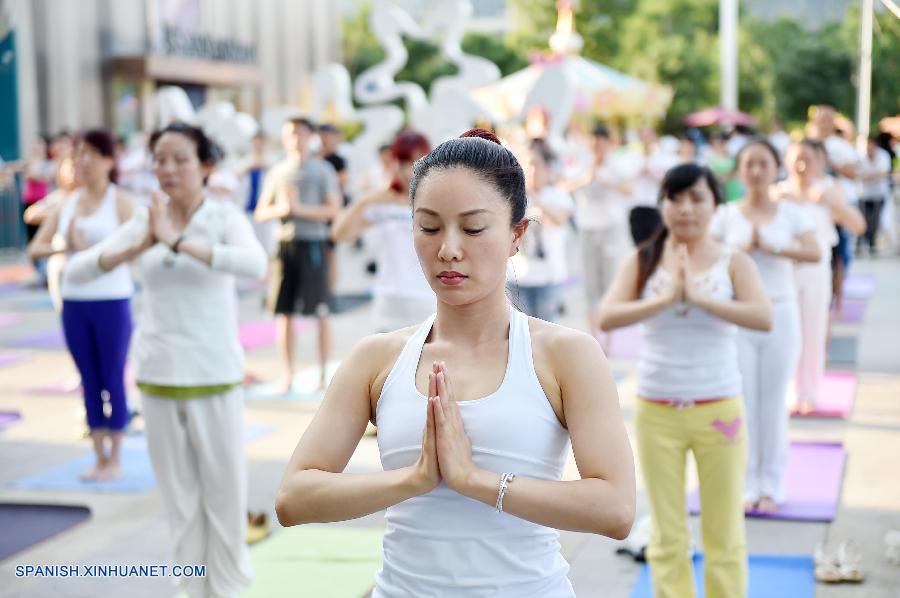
(96, 315)
(690, 293)
(475, 394)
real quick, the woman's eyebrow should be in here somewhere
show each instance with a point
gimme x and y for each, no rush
(466, 213)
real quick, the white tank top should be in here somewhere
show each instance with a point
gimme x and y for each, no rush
(115, 284)
(445, 544)
(689, 354)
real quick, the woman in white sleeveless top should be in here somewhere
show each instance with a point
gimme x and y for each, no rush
(824, 202)
(475, 410)
(96, 315)
(690, 293)
(776, 235)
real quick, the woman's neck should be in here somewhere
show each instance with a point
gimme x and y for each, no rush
(758, 197)
(96, 189)
(692, 244)
(182, 208)
(474, 323)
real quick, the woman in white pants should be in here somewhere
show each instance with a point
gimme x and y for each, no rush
(188, 360)
(775, 235)
(824, 201)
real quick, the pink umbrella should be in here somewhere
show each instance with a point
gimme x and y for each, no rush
(718, 116)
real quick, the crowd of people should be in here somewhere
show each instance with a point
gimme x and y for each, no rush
(729, 252)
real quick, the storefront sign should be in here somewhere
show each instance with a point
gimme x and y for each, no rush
(198, 45)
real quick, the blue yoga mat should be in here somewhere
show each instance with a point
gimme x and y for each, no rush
(24, 525)
(771, 576)
(137, 472)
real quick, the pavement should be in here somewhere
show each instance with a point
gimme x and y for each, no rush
(131, 528)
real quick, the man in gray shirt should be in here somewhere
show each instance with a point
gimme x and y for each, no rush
(301, 192)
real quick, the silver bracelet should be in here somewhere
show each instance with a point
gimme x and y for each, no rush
(505, 480)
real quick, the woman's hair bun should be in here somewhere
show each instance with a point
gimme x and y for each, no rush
(483, 134)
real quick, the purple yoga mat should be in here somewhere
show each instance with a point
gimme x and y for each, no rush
(25, 525)
(624, 343)
(9, 417)
(52, 339)
(852, 311)
(9, 359)
(259, 333)
(836, 397)
(813, 479)
(859, 286)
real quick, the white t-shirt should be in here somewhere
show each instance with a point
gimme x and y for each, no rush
(399, 273)
(731, 226)
(543, 259)
(842, 153)
(879, 163)
(600, 204)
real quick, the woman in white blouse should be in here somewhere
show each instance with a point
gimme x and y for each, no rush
(188, 361)
(775, 235)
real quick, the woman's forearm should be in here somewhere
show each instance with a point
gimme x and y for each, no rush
(619, 315)
(315, 496)
(746, 314)
(588, 505)
(110, 260)
(799, 253)
(349, 223)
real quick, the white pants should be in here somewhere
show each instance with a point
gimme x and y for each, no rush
(814, 300)
(767, 361)
(601, 253)
(197, 450)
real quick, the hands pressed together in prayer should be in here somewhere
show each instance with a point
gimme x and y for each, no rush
(446, 449)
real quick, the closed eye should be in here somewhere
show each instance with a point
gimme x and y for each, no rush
(427, 230)
(473, 231)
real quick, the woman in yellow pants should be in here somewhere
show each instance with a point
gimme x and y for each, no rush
(691, 293)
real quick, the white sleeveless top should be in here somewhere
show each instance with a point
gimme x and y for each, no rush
(689, 354)
(117, 283)
(445, 544)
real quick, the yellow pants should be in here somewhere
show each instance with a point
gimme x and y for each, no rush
(715, 434)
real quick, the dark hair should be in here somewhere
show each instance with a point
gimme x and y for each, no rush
(328, 128)
(815, 145)
(600, 131)
(676, 180)
(883, 140)
(543, 149)
(761, 141)
(207, 151)
(384, 147)
(104, 144)
(303, 121)
(480, 151)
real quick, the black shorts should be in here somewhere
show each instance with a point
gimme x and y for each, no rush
(299, 283)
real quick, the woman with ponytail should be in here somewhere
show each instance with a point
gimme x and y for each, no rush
(690, 293)
(96, 315)
(475, 410)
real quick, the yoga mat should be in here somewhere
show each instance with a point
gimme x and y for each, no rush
(52, 339)
(812, 477)
(836, 396)
(316, 560)
(8, 418)
(771, 576)
(60, 387)
(842, 350)
(137, 472)
(859, 286)
(24, 525)
(344, 303)
(852, 311)
(8, 319)
(303, 387)
(260, 333)
(10, 359)
(41, 303)
(625, 343)
(9, 289)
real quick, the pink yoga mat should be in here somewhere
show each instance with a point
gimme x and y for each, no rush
(813, 479)
(838, 393)
(260, 333)
(852, 311)
(8, 319)
(9, 417)
(859, 286)
(52, 339)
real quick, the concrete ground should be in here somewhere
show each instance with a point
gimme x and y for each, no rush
(131, 528)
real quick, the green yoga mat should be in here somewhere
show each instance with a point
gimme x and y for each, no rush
(316, 560)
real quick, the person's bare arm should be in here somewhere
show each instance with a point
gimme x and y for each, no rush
(621, 306)
(351, 221)
(42, 244)
(272, 205)
(603, 500)
(807, 250)
(843, 213)
(314, 487)
(750, 307)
